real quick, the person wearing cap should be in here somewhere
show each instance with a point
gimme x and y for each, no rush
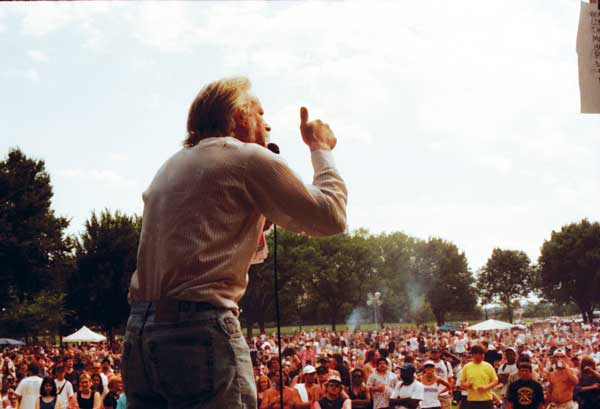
(525, 393)
(562, 383)
(478, 377)
(433, 387)
(408, 393)
(508, 367)
(333, 398)
(443, 370)
(381, 383)
(308, 392)
(358, 392)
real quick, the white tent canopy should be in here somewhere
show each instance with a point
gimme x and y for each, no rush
(490, 325)
(84, 335)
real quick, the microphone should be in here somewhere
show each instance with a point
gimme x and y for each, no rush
(273, 147)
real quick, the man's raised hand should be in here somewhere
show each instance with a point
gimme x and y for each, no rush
(316, 134)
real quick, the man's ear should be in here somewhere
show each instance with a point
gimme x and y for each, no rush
(240, 125)
(240, 119)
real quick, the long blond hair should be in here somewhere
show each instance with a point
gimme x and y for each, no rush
(260, 379)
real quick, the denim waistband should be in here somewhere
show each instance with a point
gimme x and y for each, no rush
(175, 310)
(175, 305)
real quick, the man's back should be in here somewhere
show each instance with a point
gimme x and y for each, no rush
(29, 390)
(203, 216)
(184, 246)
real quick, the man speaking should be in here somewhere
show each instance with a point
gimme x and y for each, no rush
(204, 214)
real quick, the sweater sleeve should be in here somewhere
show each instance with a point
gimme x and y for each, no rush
(318, 209)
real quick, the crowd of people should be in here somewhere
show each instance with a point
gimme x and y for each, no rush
(546, 365)
(40, 376)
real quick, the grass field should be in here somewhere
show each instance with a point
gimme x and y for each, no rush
(288, 330)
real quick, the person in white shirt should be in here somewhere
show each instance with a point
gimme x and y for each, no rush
(595, 354)
(413, 343)
(106, 370)
(204, 217)
(460, 344)
(508, 367)
(381, 382)
(408, 393)
(28, 389)
(64, 388)
(443, 370)
(308, 390)
(433, 387)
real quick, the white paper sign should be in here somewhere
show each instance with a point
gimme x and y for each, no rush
(588, 52)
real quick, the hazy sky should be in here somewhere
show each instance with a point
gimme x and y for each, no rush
(454, 119)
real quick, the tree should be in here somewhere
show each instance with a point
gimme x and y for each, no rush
(343, 261)
(569, 266)
(440, 275)
(296, 257)
(32, 243)
(43, 313)
(105, 259)
(507, 275)
(394, 263)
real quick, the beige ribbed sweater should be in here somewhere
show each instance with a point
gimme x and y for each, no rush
(204, 212)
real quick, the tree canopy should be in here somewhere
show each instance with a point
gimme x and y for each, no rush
(32, 242)
(105, 258)
(328, 279)
(321, 279)
(507, 275)
(569, 266)
(443, 274)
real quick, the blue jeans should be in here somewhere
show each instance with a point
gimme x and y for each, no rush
(194, 360)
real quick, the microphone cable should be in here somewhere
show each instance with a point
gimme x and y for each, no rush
(275, 149)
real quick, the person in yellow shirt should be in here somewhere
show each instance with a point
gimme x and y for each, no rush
(478, 378)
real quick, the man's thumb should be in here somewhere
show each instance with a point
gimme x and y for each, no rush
(303, 116)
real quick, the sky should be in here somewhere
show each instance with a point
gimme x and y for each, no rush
(457, 120)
